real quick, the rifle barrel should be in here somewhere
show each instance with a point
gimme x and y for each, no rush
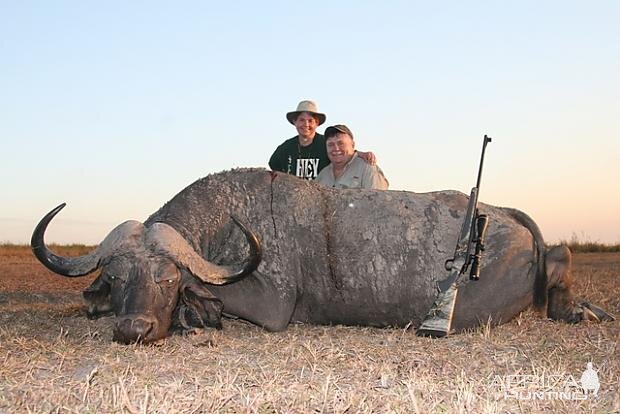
(484, 147)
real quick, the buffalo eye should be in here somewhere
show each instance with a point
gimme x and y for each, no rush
(167, 275)
(112, 278)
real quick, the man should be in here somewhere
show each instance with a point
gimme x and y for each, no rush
(305, 155)
(347, 170)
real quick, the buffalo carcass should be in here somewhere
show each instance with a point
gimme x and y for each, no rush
(309, 254)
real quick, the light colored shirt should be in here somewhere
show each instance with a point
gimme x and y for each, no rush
(357, 174)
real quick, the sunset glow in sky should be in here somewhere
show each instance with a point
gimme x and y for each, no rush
(114, 107)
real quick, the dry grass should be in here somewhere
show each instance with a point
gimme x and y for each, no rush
(55, 360)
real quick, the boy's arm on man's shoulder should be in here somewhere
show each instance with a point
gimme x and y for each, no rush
(369, 157)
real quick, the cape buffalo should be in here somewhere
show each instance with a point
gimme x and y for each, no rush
(310, 254)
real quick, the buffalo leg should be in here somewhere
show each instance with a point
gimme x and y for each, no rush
(256, 300)
(562, 304)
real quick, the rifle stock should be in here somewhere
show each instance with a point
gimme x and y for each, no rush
(438, 321)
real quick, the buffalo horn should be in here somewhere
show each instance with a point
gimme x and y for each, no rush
(169, 241)
(82, 265)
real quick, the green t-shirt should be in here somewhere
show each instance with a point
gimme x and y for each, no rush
(304, 162)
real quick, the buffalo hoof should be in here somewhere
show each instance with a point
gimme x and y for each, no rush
(594, 313)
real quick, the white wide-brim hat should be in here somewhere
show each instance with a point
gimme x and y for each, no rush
(306, 106)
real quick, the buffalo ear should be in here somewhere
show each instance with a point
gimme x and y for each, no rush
(199, 307)
(97, 296)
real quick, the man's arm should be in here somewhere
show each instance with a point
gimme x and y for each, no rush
(373, 178)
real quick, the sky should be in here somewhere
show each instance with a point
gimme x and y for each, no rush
(114, 107)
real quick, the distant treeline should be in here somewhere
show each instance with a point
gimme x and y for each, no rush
(71, 250)
(583, 244)
(589, 247)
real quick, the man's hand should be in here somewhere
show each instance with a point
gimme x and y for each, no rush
(369, 157)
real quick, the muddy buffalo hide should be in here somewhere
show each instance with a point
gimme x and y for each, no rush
(354, 256)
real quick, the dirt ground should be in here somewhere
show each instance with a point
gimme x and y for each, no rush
(56, 360)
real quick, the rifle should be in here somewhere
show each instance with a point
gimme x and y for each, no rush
(469, 248)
